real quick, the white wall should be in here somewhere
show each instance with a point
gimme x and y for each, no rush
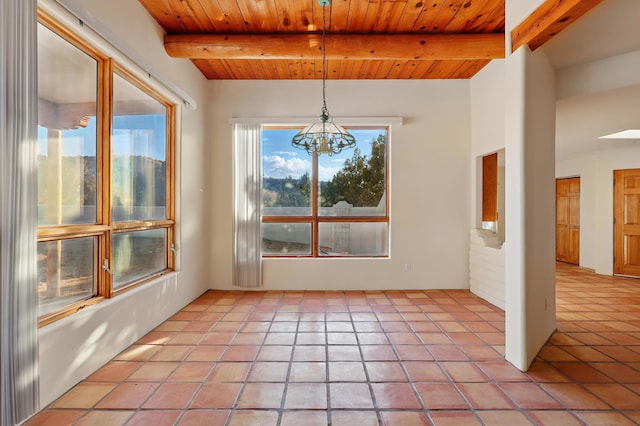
(530, 205)
(429, 196)
(486, 262)
(74, 347)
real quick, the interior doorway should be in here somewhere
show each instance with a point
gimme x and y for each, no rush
(568, 220)
(626, 219)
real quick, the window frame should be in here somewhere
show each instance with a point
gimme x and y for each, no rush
(104, 227)
(315, 218)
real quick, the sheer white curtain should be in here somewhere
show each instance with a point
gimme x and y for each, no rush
(18, 216)
(247, 184)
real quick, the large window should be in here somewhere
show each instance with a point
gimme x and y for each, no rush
(320, 205)
(105, 216)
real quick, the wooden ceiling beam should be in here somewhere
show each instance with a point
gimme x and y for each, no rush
(339, 46)
(548, 20)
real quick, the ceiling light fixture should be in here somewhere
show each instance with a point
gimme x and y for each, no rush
(324, 137)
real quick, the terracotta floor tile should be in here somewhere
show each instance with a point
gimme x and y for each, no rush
(261, 395)
(275, 353)
(280, 338)
(306, 418)
(543, 372)
(372, 339)
(153, 372)
(484, 396)
(155, 418)
(621, 373)
(504, 418)
(502, 371)
(344, 353)
(240, 353)
(206, 353)
(574, 396)
(191, 372)
(313, 338)
(48, 417)
(529, 396)
(350, 418)
(269, 372)
(106, 417)
(253, 418)
(605, 418)
(274, 357)
(378, 353)
(114, 371)
(440, 396)
(216, 395)
(413, 353)
(309, 396)
(172, 396)
(395, 396)
(308, 372)
(556, 418)
(127, 396)
(309, 353)
(350, 395)
(581, 372)
(424, 371)
(138, 353)
(463, 371)
(453, 418)
(615, 395)
(385, 371)
(347, 372)
(84, 395)
(412, 418)
(447, 353)
(341, 339)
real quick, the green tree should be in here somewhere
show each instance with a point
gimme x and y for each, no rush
(294, 192)
(361, 181)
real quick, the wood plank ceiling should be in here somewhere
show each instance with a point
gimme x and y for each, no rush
(366, 39)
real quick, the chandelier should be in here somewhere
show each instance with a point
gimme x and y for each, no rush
(324, 137)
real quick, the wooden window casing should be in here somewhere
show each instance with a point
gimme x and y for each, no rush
(315, 218)
(104, 228)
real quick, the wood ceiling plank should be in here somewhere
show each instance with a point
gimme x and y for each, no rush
(548, 20)
(493, 20)
(383, 69)
(470, 11)
(357, 14)
(444, 15)
(309, 69)
(260, 15)
(420, 70)
(392, 12)
(409, 16)
(337, 18)
(339, 46)
(226, 15)
(428, 15)
(471, 68)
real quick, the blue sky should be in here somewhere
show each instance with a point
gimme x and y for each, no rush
(281, 159)
(82, 141)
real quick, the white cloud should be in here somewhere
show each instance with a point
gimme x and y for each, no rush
(279, 166)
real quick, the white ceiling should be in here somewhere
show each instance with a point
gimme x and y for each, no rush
(609, 30)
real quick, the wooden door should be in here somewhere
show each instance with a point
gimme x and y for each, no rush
(568, 220)
(626, 202)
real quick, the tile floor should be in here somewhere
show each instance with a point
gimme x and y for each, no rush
(370, 358)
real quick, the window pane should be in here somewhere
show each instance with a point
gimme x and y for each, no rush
(286, 175)
(138, 254)
(139, 161)
(286, 239)
(67, 87)
(354, 239)
(353, 183)
(65, 272)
